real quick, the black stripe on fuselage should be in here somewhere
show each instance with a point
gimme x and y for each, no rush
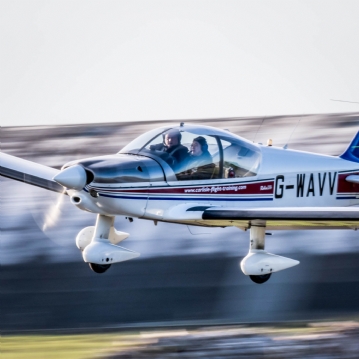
(280, 215)
(197, 209)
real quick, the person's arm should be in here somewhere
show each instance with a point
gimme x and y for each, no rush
(158, 147)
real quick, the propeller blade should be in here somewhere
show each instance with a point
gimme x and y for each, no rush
(53, 214)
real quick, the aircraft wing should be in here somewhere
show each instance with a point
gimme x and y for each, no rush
(286, 217)
(29, 172)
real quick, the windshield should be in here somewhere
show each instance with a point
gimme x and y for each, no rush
(198, 152)
(138, 143)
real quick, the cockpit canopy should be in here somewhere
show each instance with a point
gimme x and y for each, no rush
(193, 152)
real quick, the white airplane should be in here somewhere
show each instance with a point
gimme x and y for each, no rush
(204, 176)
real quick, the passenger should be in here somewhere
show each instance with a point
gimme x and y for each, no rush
(199, 155)
(199, 165)
(172, 145)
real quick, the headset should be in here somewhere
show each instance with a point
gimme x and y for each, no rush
(175, 132)
(204, 146)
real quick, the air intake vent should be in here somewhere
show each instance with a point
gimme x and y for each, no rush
(89, 176)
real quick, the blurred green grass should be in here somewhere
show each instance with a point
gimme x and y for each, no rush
(64, 346)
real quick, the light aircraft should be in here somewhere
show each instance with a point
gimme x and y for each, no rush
(240, 183)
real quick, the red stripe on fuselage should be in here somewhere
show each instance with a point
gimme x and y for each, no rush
(256, 188)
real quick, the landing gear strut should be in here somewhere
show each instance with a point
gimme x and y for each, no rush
(257, 242)
(99, 268)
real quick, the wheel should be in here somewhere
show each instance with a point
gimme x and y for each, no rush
(260, 279)
(99, 268)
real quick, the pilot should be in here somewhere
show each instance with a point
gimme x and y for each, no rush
(172, 145)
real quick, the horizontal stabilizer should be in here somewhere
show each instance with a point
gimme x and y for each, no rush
(352, 179)
(29, 172)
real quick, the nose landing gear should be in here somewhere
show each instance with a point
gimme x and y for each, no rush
(99, 244)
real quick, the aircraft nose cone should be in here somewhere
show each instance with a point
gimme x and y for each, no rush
(73, 177)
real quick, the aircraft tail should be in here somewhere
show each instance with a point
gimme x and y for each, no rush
(352, 152)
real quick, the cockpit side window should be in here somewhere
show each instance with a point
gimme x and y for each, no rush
(192, 152)
(200, 163)
(239, 160)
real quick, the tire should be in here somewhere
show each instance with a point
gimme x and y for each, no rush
(99, 268)
(260, 279)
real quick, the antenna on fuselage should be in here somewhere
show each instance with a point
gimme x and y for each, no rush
(259, 128)
(286, 145)
(344, 101)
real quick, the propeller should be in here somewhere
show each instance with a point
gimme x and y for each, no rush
(53, 212)
(73, 177)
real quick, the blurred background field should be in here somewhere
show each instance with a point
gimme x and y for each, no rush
(185, 277)
(295, 340)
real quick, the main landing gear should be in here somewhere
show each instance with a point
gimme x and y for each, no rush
(259, 279)
(259, 264)
(99, 268)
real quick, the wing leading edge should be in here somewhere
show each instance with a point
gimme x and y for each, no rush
(29, 172)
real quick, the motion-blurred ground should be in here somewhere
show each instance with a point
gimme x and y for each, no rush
(32, 227)
(316, 340)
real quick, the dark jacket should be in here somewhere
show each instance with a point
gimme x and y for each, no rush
(179, 152)
(197, 167)
(198, 161)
